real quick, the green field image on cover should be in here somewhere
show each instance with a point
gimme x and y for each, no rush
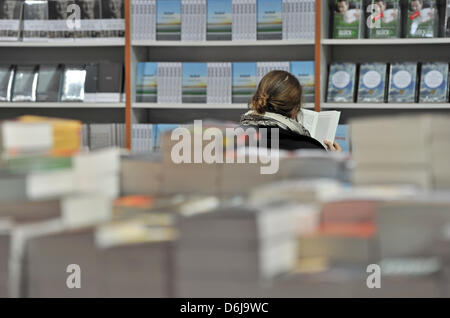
(168, 21)
(195, 78)
(244, 81)
(270, 22)
(219, 20)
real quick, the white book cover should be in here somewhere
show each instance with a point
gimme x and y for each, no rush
(321, 125)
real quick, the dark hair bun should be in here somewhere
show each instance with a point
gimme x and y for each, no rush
(260, 103)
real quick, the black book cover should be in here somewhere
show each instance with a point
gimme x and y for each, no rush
(110, 77)
(49, 82)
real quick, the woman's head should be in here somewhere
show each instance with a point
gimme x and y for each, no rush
(278, 91)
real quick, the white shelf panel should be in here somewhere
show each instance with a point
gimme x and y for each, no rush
(60, 105)
(385, 41)
(90, 43)
(197, 106)
(223, 43)
(385, 106)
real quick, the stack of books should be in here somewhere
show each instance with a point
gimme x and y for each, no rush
(425, 165)
(213, 83)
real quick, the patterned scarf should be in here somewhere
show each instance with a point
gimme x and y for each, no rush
(272, 119)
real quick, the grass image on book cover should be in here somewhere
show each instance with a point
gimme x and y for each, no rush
(434, 83)
(147, 82)
(269, 20)
(168, 20)
(347, 22)
(341, 82)
(195, 78)
(422, 19)
(372, 83)
(403, 83)
(219, 20)
(304, 71)
(386, 23)
(244, 81)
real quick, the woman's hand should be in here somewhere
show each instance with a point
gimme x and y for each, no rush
(333, 147)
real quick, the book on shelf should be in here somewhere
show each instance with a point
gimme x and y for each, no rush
(385, 20)
(170, 82)
(403, 83)
(109, 84)
(372, 83)
(168, 20)
(35, 20)
(113, 19)
(10, 19)
(193, 20)
(142, 138)
(219, 20)
(73, 83)
(58, 17)
(6, 82)
(348, 19)
(91, 23)
(343, 137)
(434, 83)
(147, 82)
(262, 68)
(91, 83)
(49, 83)
(219, 83)
(195, 80)
(244, 20)
(422, 19)
(305, 73)
(341, 82)
(269, 20)
(25, 81)
(144, 19)
(321, 125)
(244, 81)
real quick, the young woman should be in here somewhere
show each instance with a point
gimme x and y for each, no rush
(277, 104)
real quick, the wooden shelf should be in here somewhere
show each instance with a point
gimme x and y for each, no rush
(223, 43)
(60, 105)
(426, 41)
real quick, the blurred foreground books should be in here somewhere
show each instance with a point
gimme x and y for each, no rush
(143, 226)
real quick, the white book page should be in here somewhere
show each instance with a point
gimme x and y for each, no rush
(309, 119)
(327, 126)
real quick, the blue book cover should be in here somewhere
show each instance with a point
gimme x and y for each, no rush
(343, 137)
(244, 81)
(434, 83)
(269, 20)
(341, 83)
(147, 82)
(219, 20)
(158, 132)
(195, 79)
(403, 83)
(372, 83)
(304, 71)
(168, 20)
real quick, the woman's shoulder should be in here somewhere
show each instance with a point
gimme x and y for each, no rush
(287, 140)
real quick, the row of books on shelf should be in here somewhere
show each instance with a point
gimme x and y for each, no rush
(392, 83)
(94, 82)
(201, 20)
(212, 83)
(56, 20)
(353, 19)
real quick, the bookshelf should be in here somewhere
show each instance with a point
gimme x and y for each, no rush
(322, 49)
(375, 50)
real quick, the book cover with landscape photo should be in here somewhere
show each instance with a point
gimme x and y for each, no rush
(168, 20)
(244, 81)
(270, 22)
(219, 20)
(195, 78)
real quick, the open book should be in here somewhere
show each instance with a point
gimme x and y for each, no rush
(322, 126)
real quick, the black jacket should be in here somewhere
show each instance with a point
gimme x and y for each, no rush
(288, 140)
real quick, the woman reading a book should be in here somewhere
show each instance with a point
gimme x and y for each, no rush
(277, 104)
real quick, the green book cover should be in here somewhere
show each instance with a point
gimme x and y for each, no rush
(385, 20)
(28, 164)
(347, 22)
(422, 19)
